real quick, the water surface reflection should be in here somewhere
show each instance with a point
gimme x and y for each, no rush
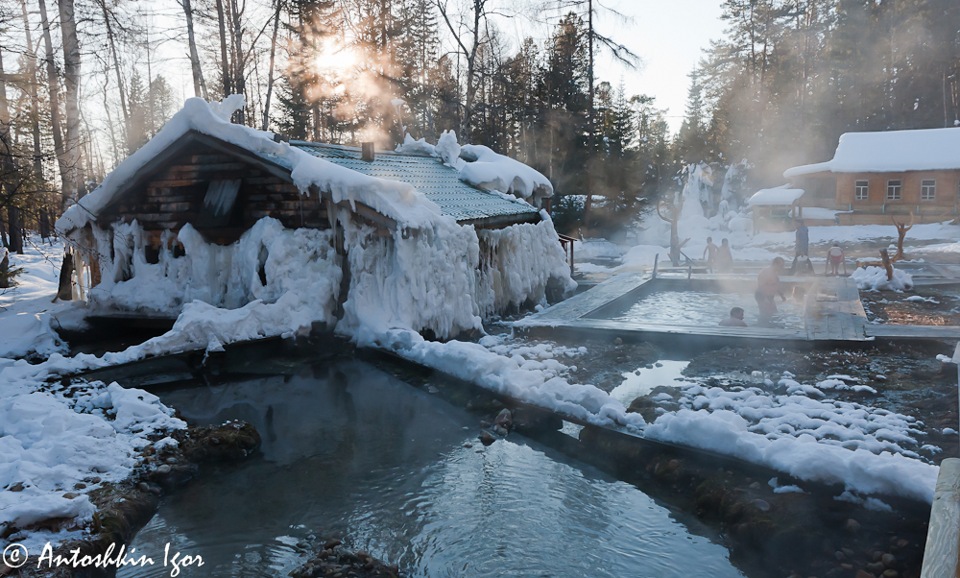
(351, 451)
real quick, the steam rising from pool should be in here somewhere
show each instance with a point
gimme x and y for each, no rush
(352, 452)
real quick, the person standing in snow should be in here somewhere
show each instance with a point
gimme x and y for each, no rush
(768, 287)
(710, 254)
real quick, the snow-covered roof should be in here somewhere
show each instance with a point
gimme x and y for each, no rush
(890, 151)
(776, 196)
(388, 195)
(438, 182)
(483, 168)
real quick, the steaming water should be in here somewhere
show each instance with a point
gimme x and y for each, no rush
(707, 309)
(351, 451)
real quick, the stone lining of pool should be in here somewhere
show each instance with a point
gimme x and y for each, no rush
(831, 312)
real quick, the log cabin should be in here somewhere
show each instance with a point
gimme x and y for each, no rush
(874, 177)
(173, 223)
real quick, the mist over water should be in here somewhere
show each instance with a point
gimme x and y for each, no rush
(354, 453)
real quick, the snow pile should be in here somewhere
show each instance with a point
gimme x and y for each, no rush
(488, 170)
(449, 149)
(57, 446)
(875, 279)
(865, 449)
(781, 195)
(643, 256)
(535, 381)
(26, 307)
(413, 146)
(482, 167)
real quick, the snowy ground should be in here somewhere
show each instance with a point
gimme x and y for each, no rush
(61, 441)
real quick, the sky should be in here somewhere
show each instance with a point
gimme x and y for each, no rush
(669, 36)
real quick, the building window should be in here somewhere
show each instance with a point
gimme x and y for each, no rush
(862, 190)
(893, 190)
(928, 190)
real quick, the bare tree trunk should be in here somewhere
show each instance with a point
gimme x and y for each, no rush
(31, 82)
(16, 229)
(53, 86)
(470, 56)
(71, 77)
(9, 184)
(236, 45)
(116, 64)
(224, 60)
(65, 286)
(273, 52)
(591, 145)
(199, 86)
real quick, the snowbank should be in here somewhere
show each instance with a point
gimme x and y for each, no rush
(864, 449)
(57, 446)
(875, 279)
(534, 381)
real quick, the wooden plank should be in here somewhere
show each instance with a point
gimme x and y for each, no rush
(590, 300)
(914, 331)
(942, 551)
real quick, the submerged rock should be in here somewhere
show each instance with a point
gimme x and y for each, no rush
(335, 560)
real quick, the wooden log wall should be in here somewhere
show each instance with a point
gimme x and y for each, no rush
(173, 196)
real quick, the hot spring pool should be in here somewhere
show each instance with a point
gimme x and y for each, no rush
(352, 452)
(704, 308)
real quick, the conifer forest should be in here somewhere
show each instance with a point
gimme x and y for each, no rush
(84, 83)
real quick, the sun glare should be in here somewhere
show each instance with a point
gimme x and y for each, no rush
(335, 58)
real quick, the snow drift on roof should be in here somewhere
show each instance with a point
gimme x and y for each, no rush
(776, 196)
(482, 167)
(890, 151)
(488, 170)
(399, 201)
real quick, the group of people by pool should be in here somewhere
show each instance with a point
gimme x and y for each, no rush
(768, 280)
(719, 258)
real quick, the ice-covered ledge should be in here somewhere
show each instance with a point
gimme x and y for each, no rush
(941, 557)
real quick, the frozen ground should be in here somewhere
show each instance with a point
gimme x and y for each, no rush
(796, 421)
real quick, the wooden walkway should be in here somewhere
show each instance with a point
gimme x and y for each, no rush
(832, 313)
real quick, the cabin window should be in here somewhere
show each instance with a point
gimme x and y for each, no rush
(218, 203)
(928, 190)
(861, 190)
(893, 190)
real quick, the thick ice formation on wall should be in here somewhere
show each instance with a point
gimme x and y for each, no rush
(426, 279)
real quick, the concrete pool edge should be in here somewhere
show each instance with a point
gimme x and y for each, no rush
(833, 314)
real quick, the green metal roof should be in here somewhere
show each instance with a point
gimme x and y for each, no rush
(438, 182)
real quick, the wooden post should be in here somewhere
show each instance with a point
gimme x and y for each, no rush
(940, 557)
(65, 290)
(4, 268)
(885, 257)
